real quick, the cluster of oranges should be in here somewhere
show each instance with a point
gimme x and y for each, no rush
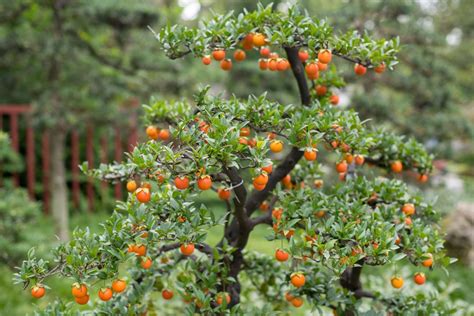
(146, 262)
(156, 133)
(80, 291)
(298, 280)
(419, 277)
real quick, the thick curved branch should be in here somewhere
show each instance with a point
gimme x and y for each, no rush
(240, 196)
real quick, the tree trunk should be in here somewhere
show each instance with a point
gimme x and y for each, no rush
(58, 186)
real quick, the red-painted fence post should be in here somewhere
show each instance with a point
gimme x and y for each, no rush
(14, 136)
(118, 158)
(30, 158)
(103, 156)
(76, 189)
(90, 162)
(45, 152)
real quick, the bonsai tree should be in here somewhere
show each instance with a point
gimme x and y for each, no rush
(263, 160)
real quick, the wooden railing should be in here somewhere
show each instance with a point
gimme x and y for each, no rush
(26, 140)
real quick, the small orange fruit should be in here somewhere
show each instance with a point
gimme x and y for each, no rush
(396, 166)
(239, 55)
(204, 183)
(82, 300)
(258, 39)
(321, 66)
(408, 209)
(281, 255)
(334, 99)
(143, 195)
(310, 154)
(359, 69)
(79, 290)
(397, 282)
(298, 279)
(341, 167)
(297, 302)
(321, 90)
(325, 56)
(226, 64)
(105, 294)
(245, 131)
(380, 68)
(164, 134)
(220, 298)
(419, 278)
(218, 54)
(303, 55)
(131, 186)
(265, 52)
(268, 169)
(119, 285)
(146, 263)
(38, 291)
(167, 294)
(311, 69)
(263, 64)
(187, 249)
(181, 183)
(223, 193)
(261, 179)
(359, 160)
(206, 60)
(276, 146)
(429, 261)
(152, 132)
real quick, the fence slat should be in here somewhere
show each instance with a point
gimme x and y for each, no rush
(14, 136)
(45, 152)
(30, 159)
(90, 161)
(76, 189)
(118, 158)
(104, 155)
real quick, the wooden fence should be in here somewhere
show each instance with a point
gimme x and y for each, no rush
(35, 148)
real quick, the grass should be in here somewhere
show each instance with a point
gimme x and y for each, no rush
(15, 301)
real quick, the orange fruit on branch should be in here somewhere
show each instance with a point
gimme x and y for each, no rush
(396, 166)
(131, 186)
(152, 132)
(298, 280)
(408, 209)
(297, 302)
(204, 183)
(321, 66)
(359, 69)
(206, 60)
(38, 291)
(78, 290)
(263, 64)
(265, 52)
(310, 154)
(143, 195)
(334, 99)
(181, 183)
(380, 68)
(167, 294)
(82, 300)
(397, 282)
(245, 131)
(276, 146)
(321, 90)
(119, 285)
(226, 64)
(218, 54)
(281, 255)
(303, 55)
(429, 261)
(223, 193)
(325, 56)
(221, 296)
(146, 263)
(105, 294)
(259, 39)
(239, 55)
(419, 278)
(187, 249)
(341, 167)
